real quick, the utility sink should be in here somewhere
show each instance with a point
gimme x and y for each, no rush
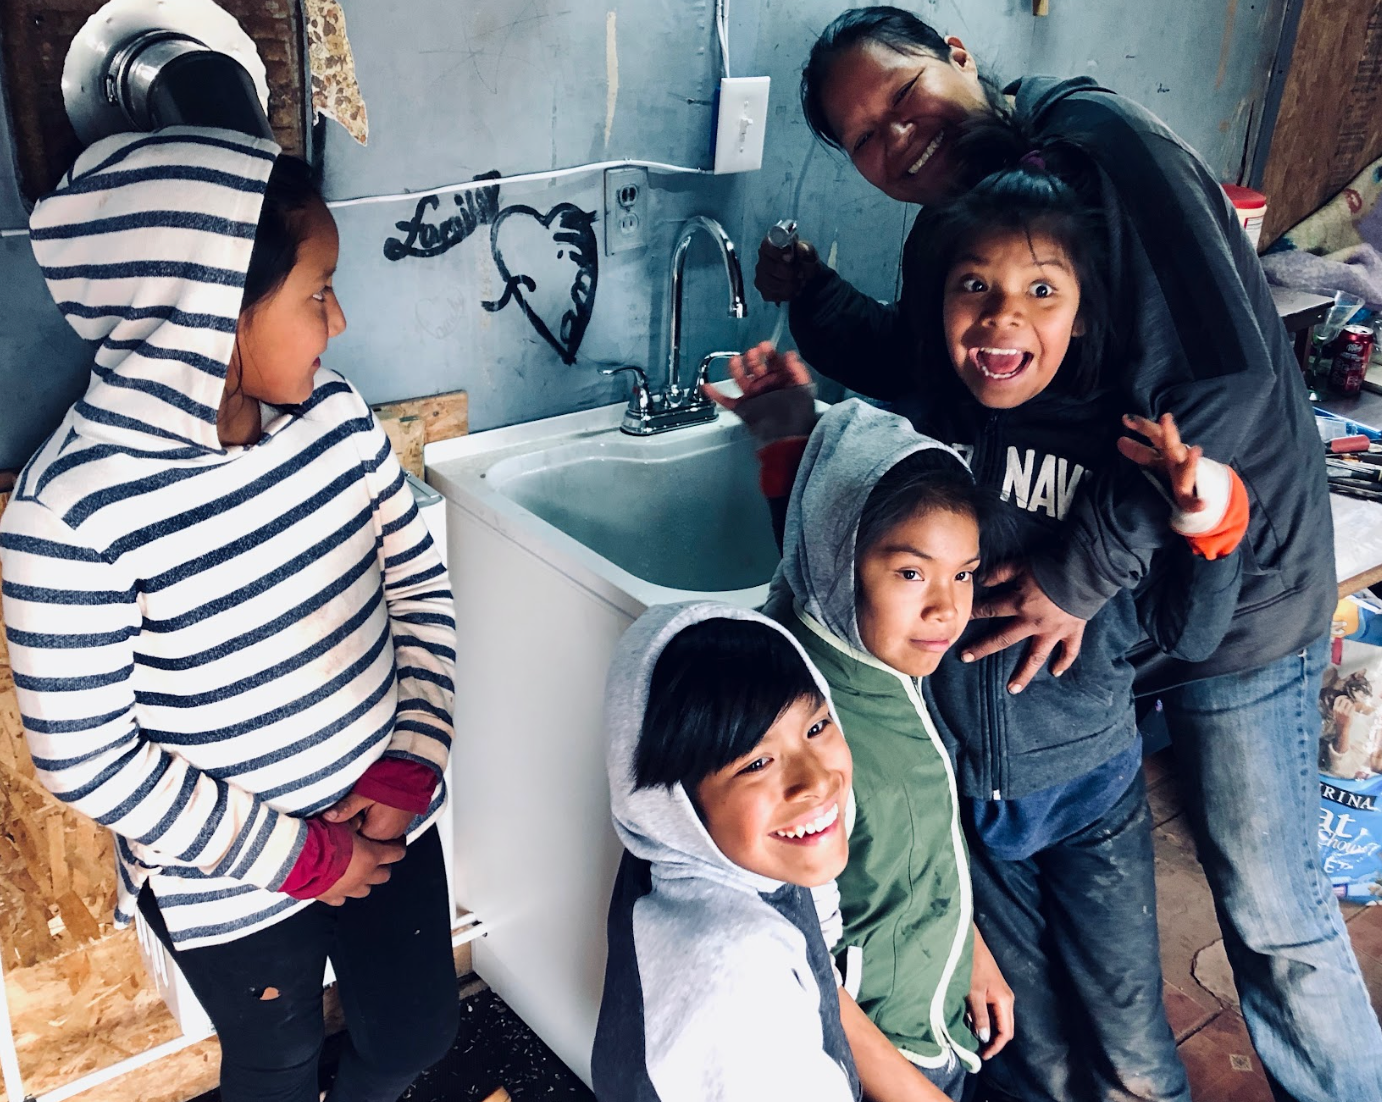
(641, 521)
(678, 511)
(560, 533)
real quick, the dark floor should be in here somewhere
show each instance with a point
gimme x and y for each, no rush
(493, 1049)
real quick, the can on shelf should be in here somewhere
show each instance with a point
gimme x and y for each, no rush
(1352, 353)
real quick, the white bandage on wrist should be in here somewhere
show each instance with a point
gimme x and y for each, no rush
(1213, 486)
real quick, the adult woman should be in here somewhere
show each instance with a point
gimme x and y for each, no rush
(1202, 341)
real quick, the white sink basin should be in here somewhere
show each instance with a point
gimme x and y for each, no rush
(680, 512)
(642, 521)
(560, 533)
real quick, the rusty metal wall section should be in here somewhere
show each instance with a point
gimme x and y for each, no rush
(34, 35)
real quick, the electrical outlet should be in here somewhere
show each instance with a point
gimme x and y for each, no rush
(741, 121)
(626, 209)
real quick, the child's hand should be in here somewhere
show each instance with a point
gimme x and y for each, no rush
(761, 369)
(378, 822)
(1166, 454)
(368, 868)
(777, 398)
(990, 1001)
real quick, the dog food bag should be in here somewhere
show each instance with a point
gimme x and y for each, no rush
(1350, 705)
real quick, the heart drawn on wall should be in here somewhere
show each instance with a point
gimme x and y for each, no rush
(552, 273)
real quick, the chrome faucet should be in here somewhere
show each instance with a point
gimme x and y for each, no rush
(651, 412)
(737, 307)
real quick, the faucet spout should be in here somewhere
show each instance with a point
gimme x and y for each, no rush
(734, 274)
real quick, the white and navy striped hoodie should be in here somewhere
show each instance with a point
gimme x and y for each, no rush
(210, 644)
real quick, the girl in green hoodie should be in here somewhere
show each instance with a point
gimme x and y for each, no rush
(893, 521)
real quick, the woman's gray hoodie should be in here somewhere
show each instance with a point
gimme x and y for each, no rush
(718, 986)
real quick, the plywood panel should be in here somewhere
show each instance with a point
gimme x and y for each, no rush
(443, 415)
(407, 435)
(1330, 123)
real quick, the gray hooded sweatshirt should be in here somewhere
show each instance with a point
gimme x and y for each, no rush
(718, 985)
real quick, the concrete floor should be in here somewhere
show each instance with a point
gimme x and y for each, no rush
(1201, 1002)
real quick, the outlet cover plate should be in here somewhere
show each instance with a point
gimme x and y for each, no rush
(740, 125)
(626, 209)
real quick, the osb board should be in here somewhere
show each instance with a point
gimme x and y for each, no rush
(407, 435)
(34, 35)
(57, 868)
(442, 415)
(1330, 123)
(195, 1070)
(83, 1011)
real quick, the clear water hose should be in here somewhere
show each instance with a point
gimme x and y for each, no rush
(782, 236)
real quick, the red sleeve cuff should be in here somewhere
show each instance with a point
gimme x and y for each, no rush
(777, 465)
(1225, 537)
(323, 860)
(406, 785)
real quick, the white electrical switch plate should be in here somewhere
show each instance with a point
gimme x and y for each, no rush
(742, 120)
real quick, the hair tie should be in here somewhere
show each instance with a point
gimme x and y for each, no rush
(1033, 159)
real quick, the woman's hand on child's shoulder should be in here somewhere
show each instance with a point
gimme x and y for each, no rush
(1167, 454)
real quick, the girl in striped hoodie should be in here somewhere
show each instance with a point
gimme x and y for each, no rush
(232, 637)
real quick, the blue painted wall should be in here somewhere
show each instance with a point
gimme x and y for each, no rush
(522, 85)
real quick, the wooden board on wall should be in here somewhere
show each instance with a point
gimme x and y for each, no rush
(415, 422)
(443, 415)
(1330, 123)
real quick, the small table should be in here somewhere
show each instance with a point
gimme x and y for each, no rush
(1357, 524)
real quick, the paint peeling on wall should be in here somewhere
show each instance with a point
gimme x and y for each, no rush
(335, 91)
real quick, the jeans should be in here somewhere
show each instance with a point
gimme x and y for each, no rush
(1246, 747)
(950, 1079)
(392, 955)
(1073, 928)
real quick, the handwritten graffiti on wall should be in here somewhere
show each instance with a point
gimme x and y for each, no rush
(549, 262)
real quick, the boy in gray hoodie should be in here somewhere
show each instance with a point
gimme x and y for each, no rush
(730, 787)
(729, 784)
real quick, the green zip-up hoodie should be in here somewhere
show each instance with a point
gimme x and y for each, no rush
(905, 896)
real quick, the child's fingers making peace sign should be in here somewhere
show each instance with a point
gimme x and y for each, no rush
(1168, 454)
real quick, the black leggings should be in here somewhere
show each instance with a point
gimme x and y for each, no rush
(392, 956)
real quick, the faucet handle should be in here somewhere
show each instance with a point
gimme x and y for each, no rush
(639, 400)
(703, 372)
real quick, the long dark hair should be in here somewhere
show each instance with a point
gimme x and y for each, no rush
(1012, 183)
(895, 28)
(289, 191)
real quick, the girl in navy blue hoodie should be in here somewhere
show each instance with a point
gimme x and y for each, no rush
(1057, 815)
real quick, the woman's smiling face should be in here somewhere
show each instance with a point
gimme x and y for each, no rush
(894, 114)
